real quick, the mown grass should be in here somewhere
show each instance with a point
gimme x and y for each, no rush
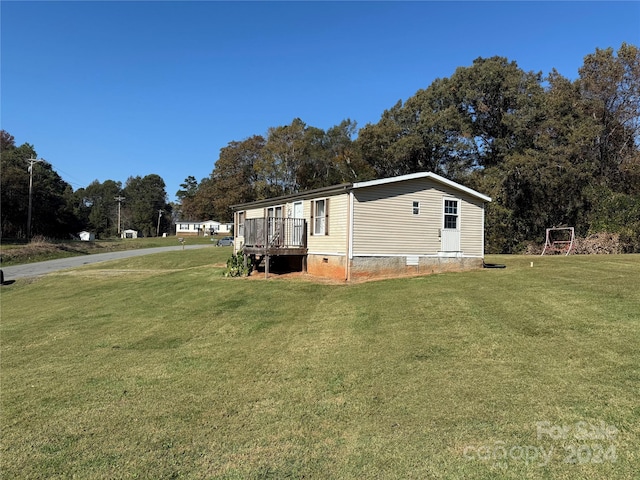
(158, 367)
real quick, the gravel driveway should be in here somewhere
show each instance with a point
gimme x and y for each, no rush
(42, 268)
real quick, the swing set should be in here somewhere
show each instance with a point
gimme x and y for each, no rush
(559, 240)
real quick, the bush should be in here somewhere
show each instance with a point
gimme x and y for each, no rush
(618, 213)
(236, 266)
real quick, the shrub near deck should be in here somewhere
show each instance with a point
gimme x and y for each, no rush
(160, 367)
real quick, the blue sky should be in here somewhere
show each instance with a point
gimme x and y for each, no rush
(109, 90)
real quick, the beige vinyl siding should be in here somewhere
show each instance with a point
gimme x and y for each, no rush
(255, 213)
(384, 223)
(252, 213)
(336, 240)
(471, 227)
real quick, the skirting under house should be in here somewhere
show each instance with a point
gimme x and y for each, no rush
(366, 268)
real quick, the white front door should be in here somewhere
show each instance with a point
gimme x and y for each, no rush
(298, 227)
(450, 238)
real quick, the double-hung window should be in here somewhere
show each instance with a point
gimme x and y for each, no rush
(320, 216)
(240, 224)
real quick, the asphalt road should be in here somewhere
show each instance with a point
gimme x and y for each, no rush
(42, 268)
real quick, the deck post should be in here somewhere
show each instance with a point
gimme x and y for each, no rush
(266, 266)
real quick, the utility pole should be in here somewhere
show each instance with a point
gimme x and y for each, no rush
(119, 199)
(158, 230)
(31, 162)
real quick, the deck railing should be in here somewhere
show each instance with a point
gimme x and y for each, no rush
(275, 232)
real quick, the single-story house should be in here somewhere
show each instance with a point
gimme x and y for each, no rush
(225, 228)
(208, 227)
(87, 236)
(129, 233)
(411, 224)
(186, 228)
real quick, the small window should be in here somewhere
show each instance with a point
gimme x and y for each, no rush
(416, 208)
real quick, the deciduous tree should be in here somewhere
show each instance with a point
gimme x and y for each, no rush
(145, 196)
(99, 203)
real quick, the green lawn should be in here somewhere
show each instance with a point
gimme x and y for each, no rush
(159, 367)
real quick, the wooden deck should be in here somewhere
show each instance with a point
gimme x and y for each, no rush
(276, 236)
(274, 251)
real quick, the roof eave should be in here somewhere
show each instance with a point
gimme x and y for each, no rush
(346, 187)
(331, 190)
(413, 176)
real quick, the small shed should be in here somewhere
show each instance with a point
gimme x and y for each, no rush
(87, 236)
(129, 233)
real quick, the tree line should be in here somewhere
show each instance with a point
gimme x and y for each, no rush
(59, 212)
(548, 150)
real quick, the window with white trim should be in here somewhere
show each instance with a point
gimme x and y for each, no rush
(240, 224)
(450, 220)
(320, 216)
(416, 208)
(275, 212)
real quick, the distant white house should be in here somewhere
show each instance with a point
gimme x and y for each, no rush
(204, 228)
(225, 228)
(87, 236)
(129, 233)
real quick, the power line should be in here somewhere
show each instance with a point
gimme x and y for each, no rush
(68, 175)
